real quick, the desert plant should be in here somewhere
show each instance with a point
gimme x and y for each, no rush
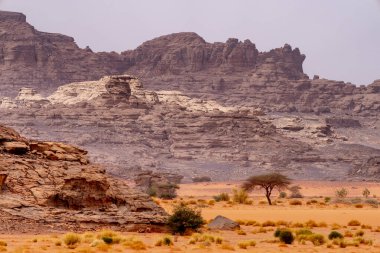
(295, 202)
(334, 235)
(354, 223)
(303, 232)
(133, 243)
(240, 196)
(268, 182)
(201, 179)
(359, 233)
(184, 218)
(341, 193)
(222, 197)
(317, 239)
(164, 241)
(286, 236)
(327, 199)
(71, 239)
(372, 202)
(282, 195)
(268, 223)
(295, 191)
(366, 193)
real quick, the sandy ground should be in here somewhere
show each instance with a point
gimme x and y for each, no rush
(198, 196)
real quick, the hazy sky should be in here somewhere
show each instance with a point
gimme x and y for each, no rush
(341, 38)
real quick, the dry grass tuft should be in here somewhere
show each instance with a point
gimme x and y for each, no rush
(354, 223)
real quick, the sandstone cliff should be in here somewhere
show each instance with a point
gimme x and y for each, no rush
(53, 185)
(125, 126)
(234, 72)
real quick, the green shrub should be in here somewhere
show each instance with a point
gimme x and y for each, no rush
(327, 199)
(222, 197)
(184, 218)
(107, 240)
(282, 195)
(335, 235)
(286, 236)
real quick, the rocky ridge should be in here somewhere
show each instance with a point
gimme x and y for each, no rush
(54, 185)
(126, 126)
(234, 72)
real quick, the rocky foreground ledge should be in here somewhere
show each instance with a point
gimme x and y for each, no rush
(52, 186)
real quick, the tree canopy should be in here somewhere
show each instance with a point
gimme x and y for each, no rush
(267, 182)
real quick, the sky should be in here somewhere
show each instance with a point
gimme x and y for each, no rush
(340, 38)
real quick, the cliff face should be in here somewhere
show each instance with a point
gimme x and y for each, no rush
(233, 72)
(126, 126)
(44, 60)
(54, 183)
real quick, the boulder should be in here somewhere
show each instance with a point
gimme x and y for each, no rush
(223, 223)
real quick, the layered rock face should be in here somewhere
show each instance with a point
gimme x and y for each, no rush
(233, 72)
(125, 126)
(54, 183)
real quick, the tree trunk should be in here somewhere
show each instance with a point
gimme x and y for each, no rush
(268, 198)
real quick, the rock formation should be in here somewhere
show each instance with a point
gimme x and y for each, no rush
(224, 110)
(234, 72)
(54, 184)
(126, 126)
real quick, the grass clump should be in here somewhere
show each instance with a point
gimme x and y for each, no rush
(335, 235)
(164, 241)
(359, 233)
(227, 246)
(246, 244)
(240, 196)
(316, 239)
(295, 202)
(241, 232)
(353, 223)
(184, 218)
(222, 197)
(3, 244)
(134, 243)
(268, 223)
(71, 239)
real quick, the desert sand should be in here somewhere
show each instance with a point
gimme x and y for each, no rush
(327, 217)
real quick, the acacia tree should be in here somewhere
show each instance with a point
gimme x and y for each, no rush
(267, 182)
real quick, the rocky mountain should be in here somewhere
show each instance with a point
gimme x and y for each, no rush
(224, 110)
(130, 128)
(52, 186)
(233, 72)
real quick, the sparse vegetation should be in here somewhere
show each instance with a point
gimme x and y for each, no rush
(268, 182)
(366, 193)
(295, 191)
(185, 218)
(341, 193)
(240, 196)
(354, 223)
(164, 241)
(285, 235)
(201, 179)
(335, 235)
(295, 202)
(71, 239)
(222, 197)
